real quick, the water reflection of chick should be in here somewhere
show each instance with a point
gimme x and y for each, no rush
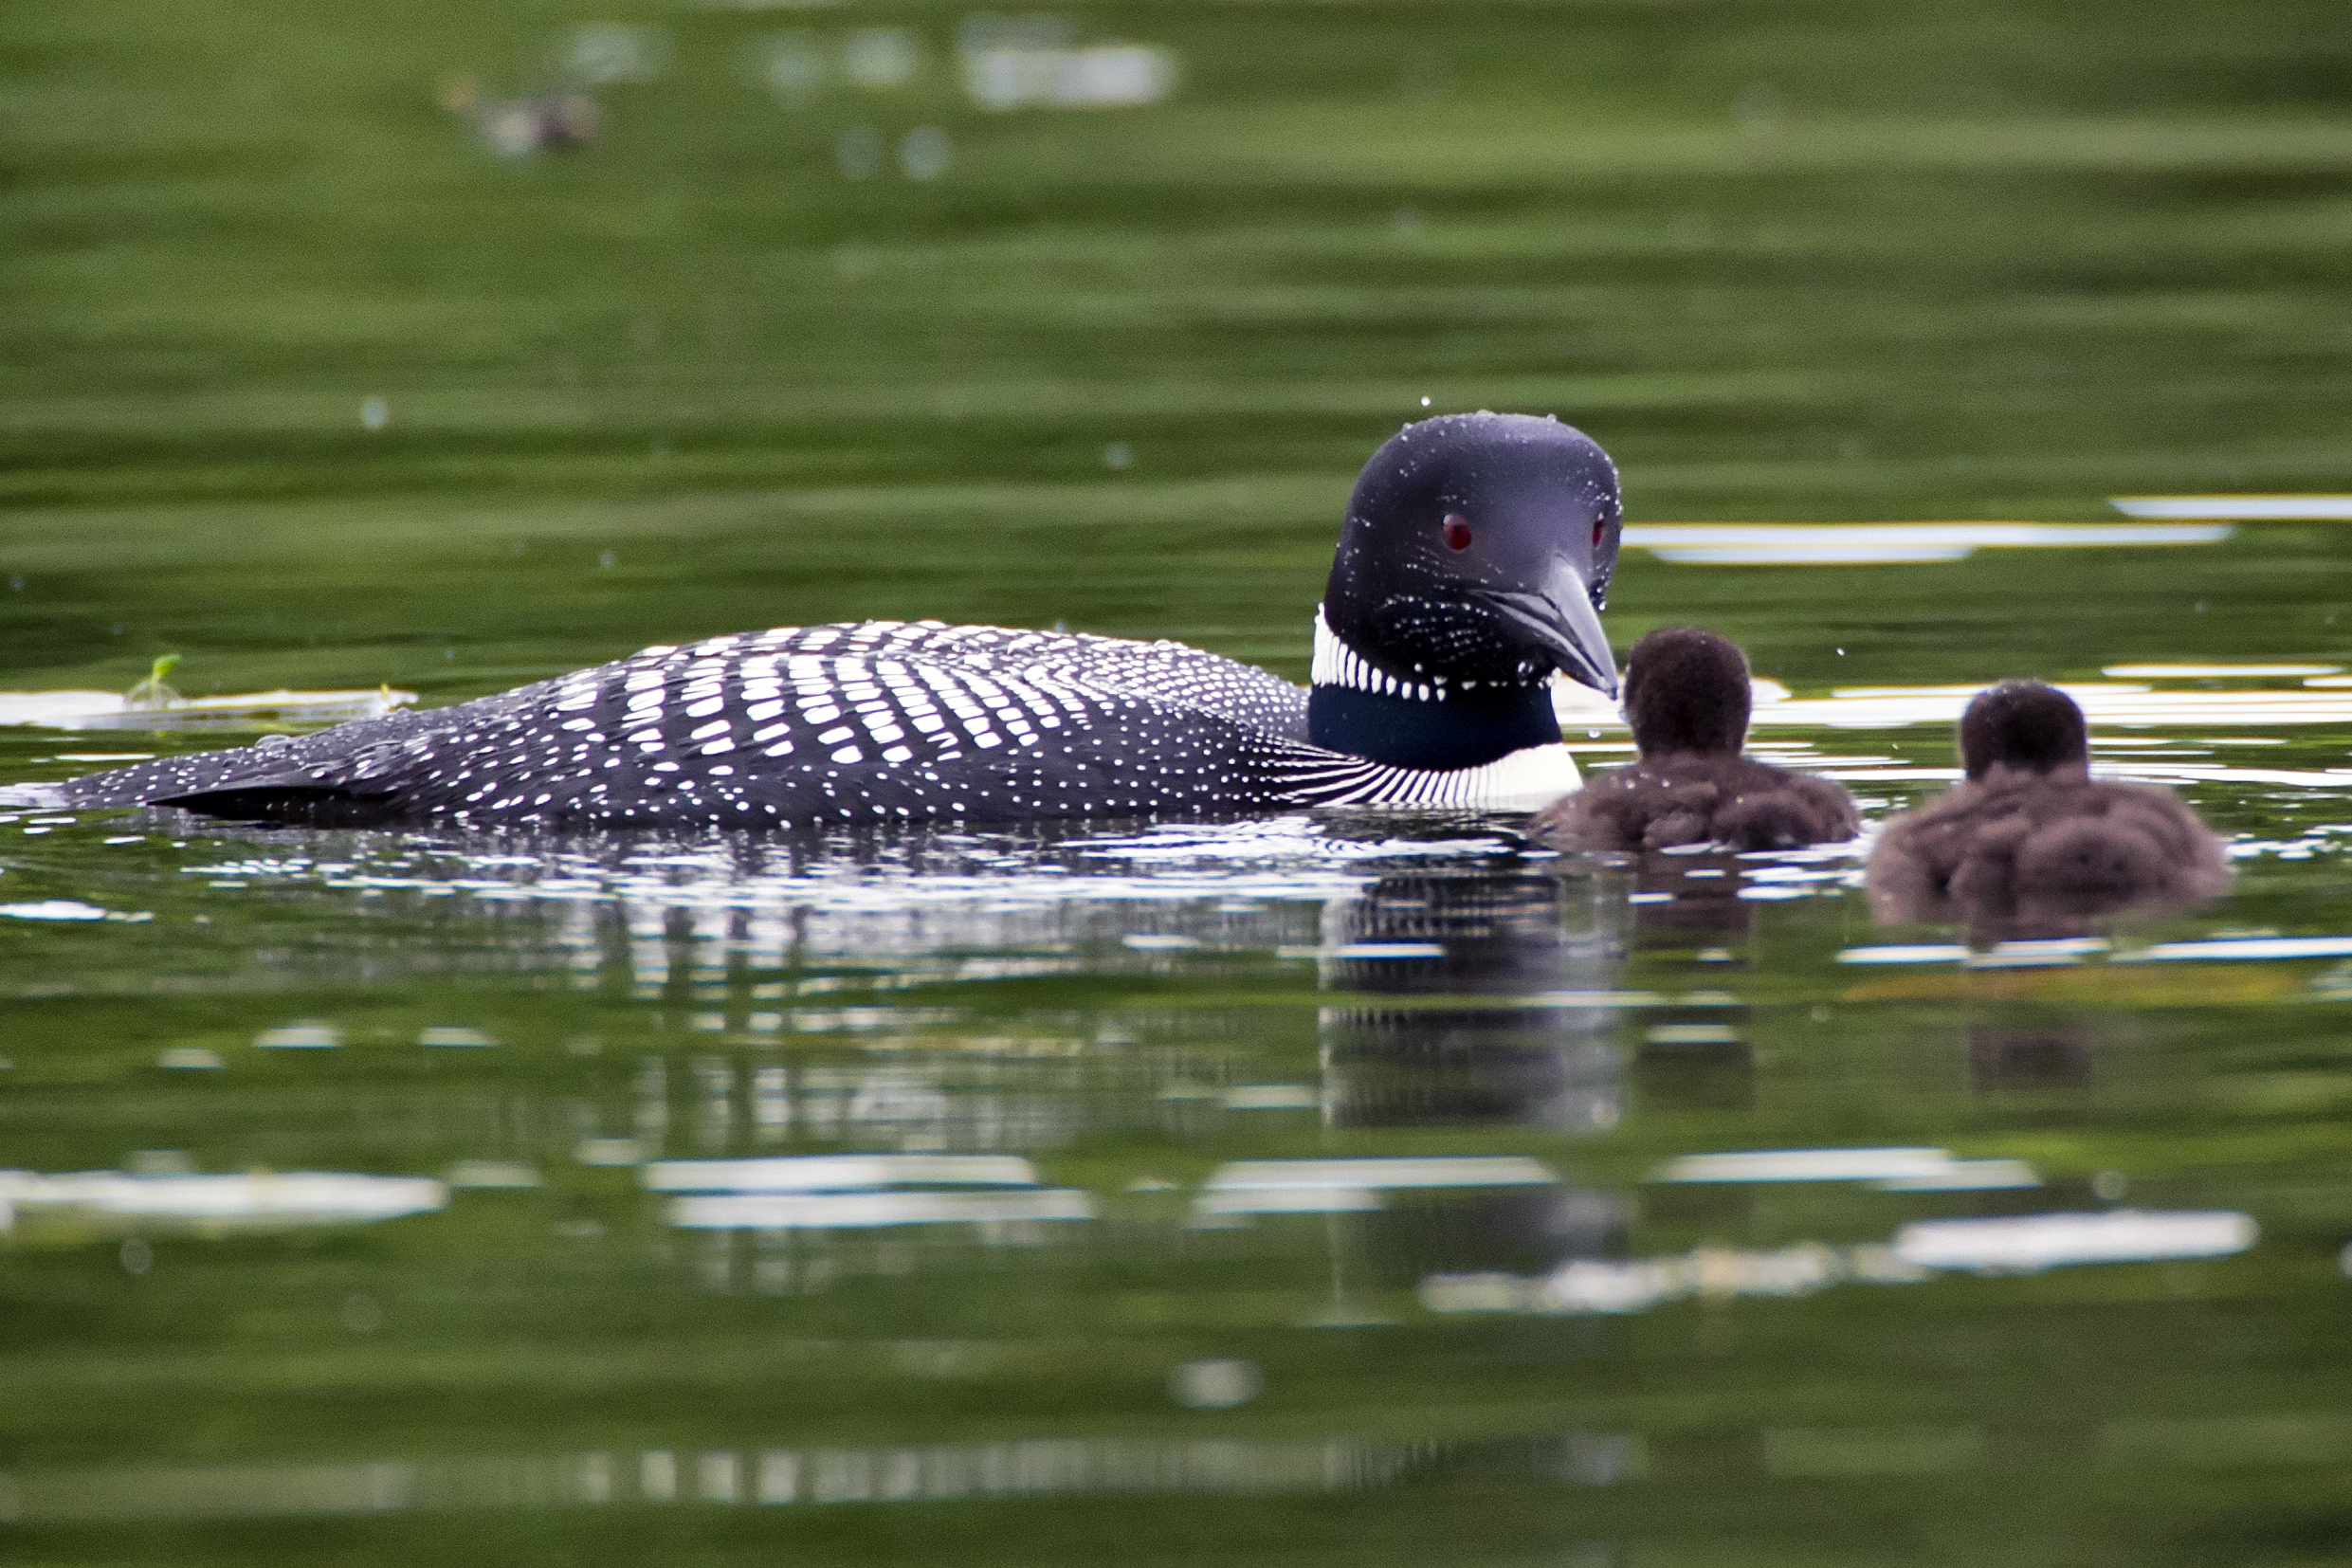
(2055, 1055)
(1521, 1229)
(2029, 844)
(516, 127)
(1687, 698)
(1698, 1062)
(1506, 935)
(1689, 900)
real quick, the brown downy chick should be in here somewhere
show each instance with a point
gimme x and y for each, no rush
(2029, 838)
(1687, 695)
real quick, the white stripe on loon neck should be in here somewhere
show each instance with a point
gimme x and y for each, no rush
(1359, 710)
(1337, 665)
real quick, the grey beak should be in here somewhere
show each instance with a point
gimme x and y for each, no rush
(1560, 620)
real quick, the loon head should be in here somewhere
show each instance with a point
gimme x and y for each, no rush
(1477, 551)
(2023, 727)
(1687, 691)
(1473, 563)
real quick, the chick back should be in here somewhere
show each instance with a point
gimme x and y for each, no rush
(2021, 845)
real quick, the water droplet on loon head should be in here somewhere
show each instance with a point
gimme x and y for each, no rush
(1520, 586)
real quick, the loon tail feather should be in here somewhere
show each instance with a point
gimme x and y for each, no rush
(286, 803)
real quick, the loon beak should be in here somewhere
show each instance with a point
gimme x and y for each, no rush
(1560, 620)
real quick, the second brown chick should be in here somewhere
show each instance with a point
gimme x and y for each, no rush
(1687, 698)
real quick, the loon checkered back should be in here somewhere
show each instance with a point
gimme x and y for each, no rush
(919, 721)
(881, 720)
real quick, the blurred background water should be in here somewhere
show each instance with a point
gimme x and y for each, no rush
(1322, 1188)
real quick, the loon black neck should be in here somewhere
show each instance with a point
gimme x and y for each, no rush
(1468, 730)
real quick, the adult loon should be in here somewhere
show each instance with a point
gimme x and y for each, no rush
(2028, 840)
(1687, 697)
(1473, 562)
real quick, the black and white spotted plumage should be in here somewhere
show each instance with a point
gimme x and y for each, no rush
(891, 721)
(867, 722)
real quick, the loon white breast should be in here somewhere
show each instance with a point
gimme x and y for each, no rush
(1474, 558)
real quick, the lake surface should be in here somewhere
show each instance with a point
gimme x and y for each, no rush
(1325, 1189)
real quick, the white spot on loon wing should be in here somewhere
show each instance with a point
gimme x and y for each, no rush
(973, 722)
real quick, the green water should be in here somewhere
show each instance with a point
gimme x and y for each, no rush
(1116, 369)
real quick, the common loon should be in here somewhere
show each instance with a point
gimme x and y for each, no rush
(2028, 840)
(1474, 560)
(1686, 694)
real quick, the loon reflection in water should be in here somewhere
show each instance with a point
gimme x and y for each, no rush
(1507, 935)
(1473, 934)
(2051, 1054)
(1474, 558)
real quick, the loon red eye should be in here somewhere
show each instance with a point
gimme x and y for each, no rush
(1597, 527)
(1457, 531)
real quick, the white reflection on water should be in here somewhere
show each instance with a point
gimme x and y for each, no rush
(2242, 948)
(1352, 1186)
(64, 909)
(2026, 1243)
(1616, 1287)
(837, 1173)
(964, 1091)
(1271, 1097)
(2246, 508)
(1966, 1176)
(253, 1200)
(2102, 704)
(828, 1192)
(1030, 62)
(1288, 1200)
(2019, 954)
(1894, 1170)
(2017, 1244)
(1397, 1170)
(1889, 543)
(697, 920)
(952, 888)
(1218, 1384)
(757, 1476)
(2212, 672)
(2134, 706)
(1282, 838)
(302, 1037)
(772, 1476)
(98, 710)
(866, 1211)
(2036, 953)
